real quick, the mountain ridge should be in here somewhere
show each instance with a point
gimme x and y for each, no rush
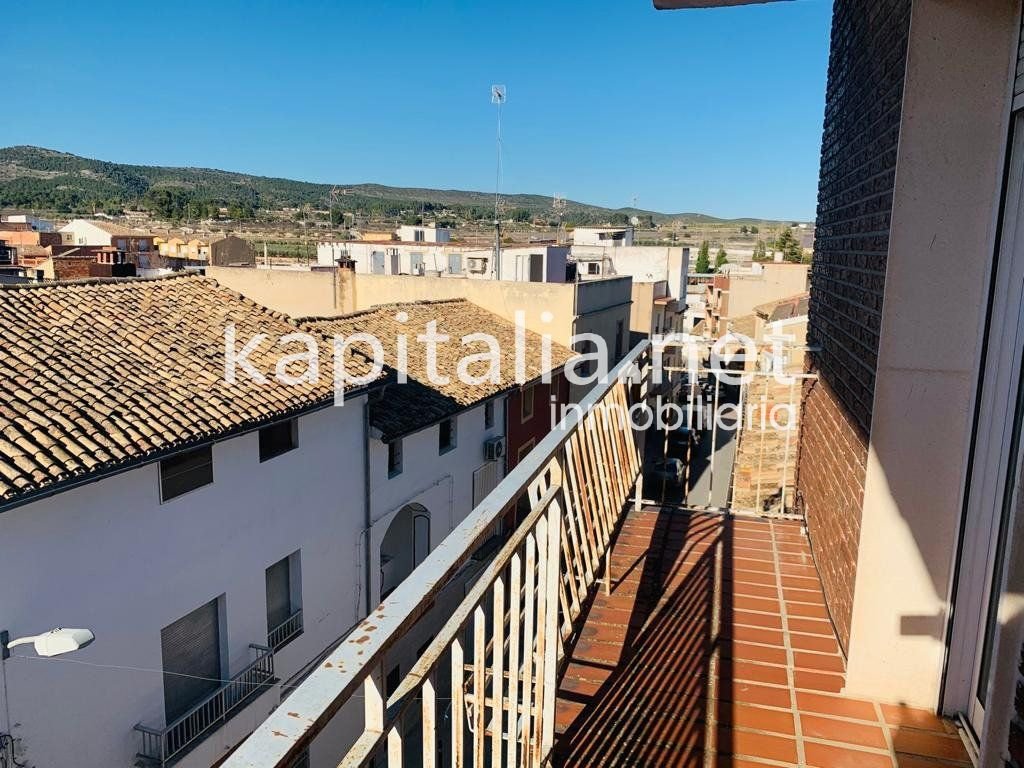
(39, 177)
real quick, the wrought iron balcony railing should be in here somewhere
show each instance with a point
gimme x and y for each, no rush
(285, 631)
(498, 655)
(161, 746)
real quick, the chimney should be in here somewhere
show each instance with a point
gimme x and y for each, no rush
(345, 284)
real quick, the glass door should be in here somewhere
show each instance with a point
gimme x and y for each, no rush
(995, 464)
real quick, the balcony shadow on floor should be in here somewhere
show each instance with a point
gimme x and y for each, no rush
(637, 686)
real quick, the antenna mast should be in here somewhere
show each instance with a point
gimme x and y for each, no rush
(498, 96)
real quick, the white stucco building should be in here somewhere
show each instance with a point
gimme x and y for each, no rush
(536, 263)
(603, 236)
(206, 531)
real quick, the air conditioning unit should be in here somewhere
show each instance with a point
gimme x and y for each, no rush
(494, 448)
(477, 264)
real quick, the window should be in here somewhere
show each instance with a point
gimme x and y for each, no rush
(278, 438)
(455, 263)
(593, 268)
(526, 403)
(395, 458)
(185, 472)
(488, 414)
(418, 235)
(191, 653)
(284, 614)
(446, 436)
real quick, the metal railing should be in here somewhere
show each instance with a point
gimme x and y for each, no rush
(161, 746)
(497, 657)
(285, 631)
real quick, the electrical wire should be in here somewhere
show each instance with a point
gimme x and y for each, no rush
(124, 668)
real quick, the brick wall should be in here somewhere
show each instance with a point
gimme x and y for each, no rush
(831, 463)
(858, 165)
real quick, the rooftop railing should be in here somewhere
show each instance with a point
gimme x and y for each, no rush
(483, 690)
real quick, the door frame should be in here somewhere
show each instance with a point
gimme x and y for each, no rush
(989, 471)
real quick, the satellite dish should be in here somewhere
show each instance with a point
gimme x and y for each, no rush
(498, 94)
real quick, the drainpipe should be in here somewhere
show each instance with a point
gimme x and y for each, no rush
(367, 511)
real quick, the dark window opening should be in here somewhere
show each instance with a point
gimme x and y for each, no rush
(395, 458)
(446, 436)
(278, 438)
(185, 472)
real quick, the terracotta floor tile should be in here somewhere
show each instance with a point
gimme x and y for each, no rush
(750, 744)
(819, 662)
(825, 756)
(913, 761)
(765, 654)
(751, 693)
(635, 691)
(837, 706)
(759, 673)
(928, 744)
(843, 731)
(757, 718)
(818, 643)
(916, 718)
(811, 627)
(818, 681)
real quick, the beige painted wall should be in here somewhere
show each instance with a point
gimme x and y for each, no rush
(948, 179)
(294, 292)
(777, 282)
(596, 306)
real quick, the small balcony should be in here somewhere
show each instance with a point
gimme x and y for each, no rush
(285, 632)
(165, 746)
(607, 630)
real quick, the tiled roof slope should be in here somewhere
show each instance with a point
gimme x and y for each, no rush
(784, 309)
(99, 374)
(409, 407)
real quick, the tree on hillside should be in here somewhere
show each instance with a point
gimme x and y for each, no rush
(743, 229)
(754, 230)
(703, 265)
(721, 259)
(788, 245)
(760, 252)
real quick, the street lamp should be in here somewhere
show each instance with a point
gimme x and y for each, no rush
(52, 643)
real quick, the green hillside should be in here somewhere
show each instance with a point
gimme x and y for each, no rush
(45, 179)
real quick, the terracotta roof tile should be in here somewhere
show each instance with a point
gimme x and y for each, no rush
(97, 374)
(409, 407)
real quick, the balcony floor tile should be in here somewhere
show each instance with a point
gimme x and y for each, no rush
(714, 649)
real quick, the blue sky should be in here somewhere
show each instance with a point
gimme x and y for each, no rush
(717, 111)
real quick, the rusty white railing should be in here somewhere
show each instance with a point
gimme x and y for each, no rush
(483, 691)
(162, 745)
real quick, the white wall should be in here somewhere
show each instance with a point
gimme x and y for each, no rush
(444, 485)
(109, 556)
(592, 236)
(86, 233)
(441, 483)
(644, 263)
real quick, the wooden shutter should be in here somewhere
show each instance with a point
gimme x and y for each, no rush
(191, 646)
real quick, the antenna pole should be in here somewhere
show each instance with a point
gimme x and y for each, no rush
(497, 98)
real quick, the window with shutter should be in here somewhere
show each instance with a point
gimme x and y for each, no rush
(191, 659)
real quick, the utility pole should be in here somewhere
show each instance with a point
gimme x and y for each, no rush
(498, 96)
